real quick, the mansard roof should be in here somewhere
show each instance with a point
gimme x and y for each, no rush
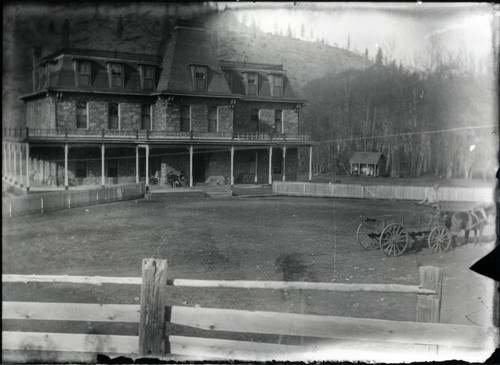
(188, 47)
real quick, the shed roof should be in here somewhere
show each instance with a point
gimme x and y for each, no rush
(366, 157)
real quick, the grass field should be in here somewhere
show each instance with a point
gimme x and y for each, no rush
(236, 238)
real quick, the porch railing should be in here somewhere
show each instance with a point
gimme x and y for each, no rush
(39, 133)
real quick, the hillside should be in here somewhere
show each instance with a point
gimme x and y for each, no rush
(145, 28)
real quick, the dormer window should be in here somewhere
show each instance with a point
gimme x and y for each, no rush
(83, 73)
(252, 84)
(277, 85)
(199, 74)
(148, 75)
(116, 75)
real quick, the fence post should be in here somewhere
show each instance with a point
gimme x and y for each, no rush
(152, 340)
(429, 305)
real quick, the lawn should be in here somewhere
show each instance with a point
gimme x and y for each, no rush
(236, 238)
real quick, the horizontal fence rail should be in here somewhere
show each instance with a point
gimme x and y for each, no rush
(339, 190)
(58, 200)
(336, 337)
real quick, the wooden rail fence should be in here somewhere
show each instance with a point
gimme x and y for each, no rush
(335, 337)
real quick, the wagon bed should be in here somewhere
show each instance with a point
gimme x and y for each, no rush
(395, 234)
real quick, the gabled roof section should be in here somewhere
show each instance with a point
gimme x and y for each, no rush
(370, 158)
(190, 46)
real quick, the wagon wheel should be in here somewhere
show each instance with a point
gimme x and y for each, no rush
(440, 239)
(366, 237)
(394, 239)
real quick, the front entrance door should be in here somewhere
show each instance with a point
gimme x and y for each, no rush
(199, 167)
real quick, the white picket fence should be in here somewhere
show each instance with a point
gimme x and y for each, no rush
(390, 192)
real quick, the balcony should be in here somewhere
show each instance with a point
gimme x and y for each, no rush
(102, 135)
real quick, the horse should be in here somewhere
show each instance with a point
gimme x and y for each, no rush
(471, 220)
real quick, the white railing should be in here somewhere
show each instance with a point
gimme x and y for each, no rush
(146, 134)
(484, 194)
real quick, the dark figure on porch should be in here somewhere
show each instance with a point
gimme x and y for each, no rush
(173, 179)
(182, 179)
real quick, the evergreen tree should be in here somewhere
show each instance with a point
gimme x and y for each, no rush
(52, 28)
(379, 59)
(119, 28)
(65, 34)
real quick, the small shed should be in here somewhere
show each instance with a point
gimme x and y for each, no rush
(367, 163)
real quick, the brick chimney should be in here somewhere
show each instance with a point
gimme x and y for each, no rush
(37, 57)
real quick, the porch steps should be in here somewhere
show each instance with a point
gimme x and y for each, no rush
(174, 192)
(217, 190)
(253, 190)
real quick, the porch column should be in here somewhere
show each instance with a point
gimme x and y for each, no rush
(270, 165)
(256, 179)
(310, 162)
(27, 166)
(21, 174)
(15, 163)
(232, 165)
(137, 164)
(284, 164)
(147, 165)
(4, 160)
(191, 166)
(103, 174)
(66, 166)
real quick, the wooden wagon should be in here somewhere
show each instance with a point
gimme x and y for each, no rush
(396, 234)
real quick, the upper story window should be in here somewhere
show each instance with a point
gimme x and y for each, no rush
(185, 118)
(278, 121)
(81, 115)
(213, 119)
(148, 77)
(83, 73)
(116, 75)
(252, 84)
(277, 85)
(113, 116)
(146, 116)
(200, 78)
(254, 121)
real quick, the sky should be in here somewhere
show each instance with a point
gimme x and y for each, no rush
(402, 30)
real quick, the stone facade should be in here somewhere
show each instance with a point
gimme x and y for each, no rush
(243, 112)
(40, 113)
